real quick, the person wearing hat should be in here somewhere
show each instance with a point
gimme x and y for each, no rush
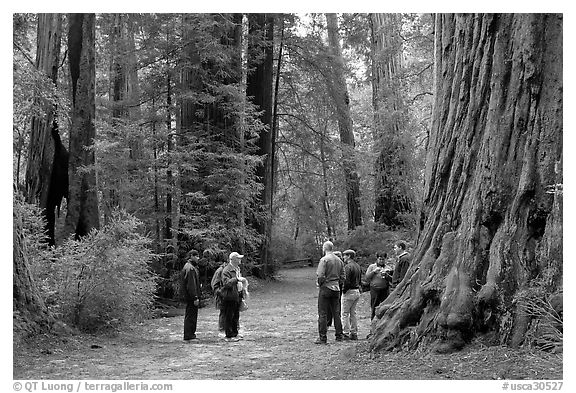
(232, 285)
(350, 295)
(192, 295)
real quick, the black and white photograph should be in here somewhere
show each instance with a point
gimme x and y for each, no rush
(287, 196)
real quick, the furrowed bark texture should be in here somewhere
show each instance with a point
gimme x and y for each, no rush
(491, 221)
(82, 215)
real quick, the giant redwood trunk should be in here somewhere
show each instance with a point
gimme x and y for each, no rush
(82, 214)
(259, 87)
(491, 221)
(390, 120)
(47, 166)
(339, 92)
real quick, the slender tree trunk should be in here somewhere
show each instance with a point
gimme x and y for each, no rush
(341, 99)
(389, 120)
(259, 86)
(326, 196)
(169, 175)
(82, 214)
(491, 228)
(157, 213)
(47, 166)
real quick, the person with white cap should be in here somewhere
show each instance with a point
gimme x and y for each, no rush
(232, 285)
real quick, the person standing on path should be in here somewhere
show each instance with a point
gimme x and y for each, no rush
(379, 279)
(232, 285)
(216, 284)
(350, 295)
(402, 262)
(329, 317)
(192, 295)
(330, 278)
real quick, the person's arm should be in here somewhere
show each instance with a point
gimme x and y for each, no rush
(192, 284)
(370, 272)
(342, 276)
(347, 279)
(321, 272)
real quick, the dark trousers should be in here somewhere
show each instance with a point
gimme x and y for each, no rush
(377, 296)
(231, 311)
(329, 316)
(190, 320)
(328, 300)
(221, 319)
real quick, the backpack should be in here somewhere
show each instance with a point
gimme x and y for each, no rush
(216, 282)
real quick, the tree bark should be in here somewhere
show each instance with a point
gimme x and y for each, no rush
(82, 215)
(390, 121)
(490, 228)
(259, 87)
(339, 92)
(47, 166)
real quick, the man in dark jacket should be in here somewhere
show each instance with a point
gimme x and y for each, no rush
(402, 262)
(350, 295)
(192, 295)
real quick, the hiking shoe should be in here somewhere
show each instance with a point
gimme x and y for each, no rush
(345, 337)
(340, 338)
(353, 337)
(320, 341)
(221, 335)
(231, 339)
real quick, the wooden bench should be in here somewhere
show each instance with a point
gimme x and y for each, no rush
(298, 263)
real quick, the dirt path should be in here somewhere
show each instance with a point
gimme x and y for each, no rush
(279, 330)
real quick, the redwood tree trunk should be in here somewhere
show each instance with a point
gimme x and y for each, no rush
(341, 99)
(82, 214)
(390, 168)
(259, 87)
(47, 166)
(491, 226)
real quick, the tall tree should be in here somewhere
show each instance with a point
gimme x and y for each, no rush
(491, 222)
(47, 167)
(339, 92)
(259, 87)
(389, 119)
(82, 214)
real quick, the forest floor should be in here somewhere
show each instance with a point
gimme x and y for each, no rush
(279, 329)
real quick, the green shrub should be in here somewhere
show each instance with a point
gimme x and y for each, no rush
(103, 280)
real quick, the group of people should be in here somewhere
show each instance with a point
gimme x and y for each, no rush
(230, 288)
(340, 282)
(339, 279)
